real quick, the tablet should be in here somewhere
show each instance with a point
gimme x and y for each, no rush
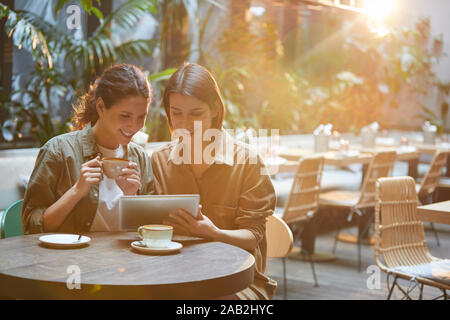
(135, 211)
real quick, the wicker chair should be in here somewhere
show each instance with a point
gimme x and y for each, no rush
(357, 202)
(400, 244)
(302, 202)
(425, 190)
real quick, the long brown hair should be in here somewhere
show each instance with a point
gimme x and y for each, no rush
(116, 83)
(196, 81)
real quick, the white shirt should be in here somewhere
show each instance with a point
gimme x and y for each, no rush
(107, 215)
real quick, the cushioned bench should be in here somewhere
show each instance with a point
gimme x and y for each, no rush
(15, 168)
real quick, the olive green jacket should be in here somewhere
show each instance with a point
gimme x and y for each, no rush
(57, 169)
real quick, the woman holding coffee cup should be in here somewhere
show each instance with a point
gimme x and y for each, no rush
(69, 189)
(235, 197)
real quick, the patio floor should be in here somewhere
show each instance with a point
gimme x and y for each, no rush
(340, 280)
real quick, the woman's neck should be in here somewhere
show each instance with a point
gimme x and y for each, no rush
(102, 139)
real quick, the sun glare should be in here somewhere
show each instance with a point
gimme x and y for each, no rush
(379, 9)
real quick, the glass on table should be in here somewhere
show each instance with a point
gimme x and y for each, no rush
(335, 138)
(404, 141)
(344, 145)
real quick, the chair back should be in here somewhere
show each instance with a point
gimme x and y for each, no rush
(304, 196)
(11, 221)
(279, 238)
(380, 166)
(431, 180)
(399, 234)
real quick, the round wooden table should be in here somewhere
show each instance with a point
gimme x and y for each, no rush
(110, 269)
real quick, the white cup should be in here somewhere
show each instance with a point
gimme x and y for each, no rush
(368, 140)
(321, 143)
(429, 137)
(156, 235)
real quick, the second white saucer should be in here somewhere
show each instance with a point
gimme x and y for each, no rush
(172, 247)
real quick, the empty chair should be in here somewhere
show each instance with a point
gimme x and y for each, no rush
(427, 187)
(356, 202)
(303, 200)
(400, 244)
(11, 221)
(279, 242)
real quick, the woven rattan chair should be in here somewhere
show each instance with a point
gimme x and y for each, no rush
(425, 190)
(303, 200)
(357, 202)
(400, 244)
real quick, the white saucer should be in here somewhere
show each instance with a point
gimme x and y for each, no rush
(64, 240)
(406, 149)
(348, 154)
(173, 247)
(275, 161)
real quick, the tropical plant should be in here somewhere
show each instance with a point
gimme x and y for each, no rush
(50, 46)
(181, 39)
(258, 91)
(439, 120)
(156, 125)
(369, 77)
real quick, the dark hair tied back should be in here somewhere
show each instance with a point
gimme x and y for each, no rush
(116, 83)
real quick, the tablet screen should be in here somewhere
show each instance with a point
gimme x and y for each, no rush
(135, 211)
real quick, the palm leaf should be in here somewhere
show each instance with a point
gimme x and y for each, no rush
(136, 48)
(163, 75)
(127, 15)
(28, 31)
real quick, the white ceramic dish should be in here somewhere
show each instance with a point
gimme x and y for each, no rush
(348, 154)
(64, 240)
(139, 246)
(275, 161)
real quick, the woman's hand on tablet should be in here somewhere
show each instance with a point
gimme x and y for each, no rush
(129, 180)
(184, 223)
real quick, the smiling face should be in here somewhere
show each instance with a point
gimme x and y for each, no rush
(118, 124)
(184, 110)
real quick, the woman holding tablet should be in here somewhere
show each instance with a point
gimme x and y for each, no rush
(235, 196)
(68, 191)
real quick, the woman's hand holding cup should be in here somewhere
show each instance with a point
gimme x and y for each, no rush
(129, 180)
(91, 174)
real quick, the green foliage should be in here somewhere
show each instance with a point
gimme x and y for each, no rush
(49, 45)
(257, 90)
(28, 32)
(86, 4)
(348, 76)
(365, 74)
(156, 125)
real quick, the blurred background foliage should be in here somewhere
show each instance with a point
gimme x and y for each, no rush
(346, 73)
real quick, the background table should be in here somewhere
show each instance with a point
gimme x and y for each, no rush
(438, 212)
(111, 269)
(333, 158)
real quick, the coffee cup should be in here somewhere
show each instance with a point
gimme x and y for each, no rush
(113, 166)
(156, 235)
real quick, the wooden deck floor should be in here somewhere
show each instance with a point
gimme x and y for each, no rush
(340, 280)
